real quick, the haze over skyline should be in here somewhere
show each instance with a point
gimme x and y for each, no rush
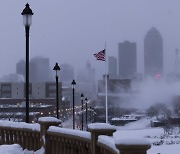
(72, 31)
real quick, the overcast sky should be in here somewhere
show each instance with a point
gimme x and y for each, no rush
(72, 30)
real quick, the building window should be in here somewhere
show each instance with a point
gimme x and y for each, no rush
(6, 88)
(53, 87)
(52, 95)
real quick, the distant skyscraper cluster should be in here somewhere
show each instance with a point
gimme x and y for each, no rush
(40, 70)
(127, 57)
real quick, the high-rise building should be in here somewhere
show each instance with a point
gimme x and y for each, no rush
(39, 69)
(66, 74)
(153, 54)
(127, 60)
(86, 81)
(112, 66)
(177, 62)
(20, 67)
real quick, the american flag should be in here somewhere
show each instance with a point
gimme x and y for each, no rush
(100, 55)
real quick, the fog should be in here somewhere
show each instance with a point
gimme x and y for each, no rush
(156, 91)
(72, 31)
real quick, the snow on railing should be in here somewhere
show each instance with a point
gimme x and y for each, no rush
(100, 138)
(26, 135)
(67, 131)
(11, 124)
(108, 143)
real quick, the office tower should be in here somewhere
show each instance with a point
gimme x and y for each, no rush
(127, 60)
(112, 66)
(153, 54)
(40, 70)
(20, 67)
(86, 82)
(177, 62)
(66, 73)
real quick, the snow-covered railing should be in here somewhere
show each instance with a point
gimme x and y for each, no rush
(68, 141)
(99, 139)
(27, 135)
(106, 145)
(98, 145)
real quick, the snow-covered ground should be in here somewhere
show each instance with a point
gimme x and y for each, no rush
(138, 129)
(17, 149)
(142, 129)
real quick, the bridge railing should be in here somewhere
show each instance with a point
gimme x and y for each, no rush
(27, 135)
(55, 140)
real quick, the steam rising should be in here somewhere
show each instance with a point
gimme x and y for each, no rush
(156, 91)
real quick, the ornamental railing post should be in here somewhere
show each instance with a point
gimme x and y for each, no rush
(133, 146)
(97, 129)
(45, 123)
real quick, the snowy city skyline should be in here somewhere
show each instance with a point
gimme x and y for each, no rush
(71, 32)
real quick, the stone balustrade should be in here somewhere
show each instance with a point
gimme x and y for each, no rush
(56, 140)
(27, 138)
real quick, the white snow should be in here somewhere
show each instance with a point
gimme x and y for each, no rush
(134, 132)
(141, 130)
(165, 149)
(17, 149)
(79, 133)
(11, 149)
(40, 151)
(48, 119)
(108, 141)
(132, 141)
(12, 124)
(100, 126)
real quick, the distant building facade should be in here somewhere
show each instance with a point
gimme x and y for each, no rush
(86, 81)
(37, 90)
(112, 65)
(66, 74)
(153, 54)
(39, 69)
(127, 60)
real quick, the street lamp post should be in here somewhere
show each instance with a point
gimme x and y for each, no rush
(82, 97)
(86, 100)
(56, 69)
(90, 108)
(73, 83)
(27, 20)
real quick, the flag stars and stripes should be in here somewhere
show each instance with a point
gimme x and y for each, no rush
(100, 55)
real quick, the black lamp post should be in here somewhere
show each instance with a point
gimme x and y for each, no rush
(90, 108)
(27, 20)
(56, 69)
(86, 100)
(73, 83)
(82, 97)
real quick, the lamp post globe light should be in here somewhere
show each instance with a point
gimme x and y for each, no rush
(27, 20)
(56, 69)
(82, 97)
(86, 100)
(73, 83)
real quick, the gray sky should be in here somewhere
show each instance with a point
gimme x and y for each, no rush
(72, 30)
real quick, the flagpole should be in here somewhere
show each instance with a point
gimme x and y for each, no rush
(106, 88)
